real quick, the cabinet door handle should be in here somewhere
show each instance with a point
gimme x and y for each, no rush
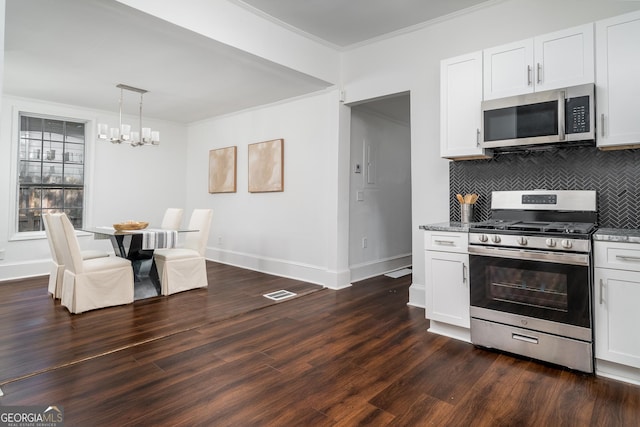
(602, 125)
(464, 273)
(539, 73)
(628, 258)
(528, 75)
(445, 242)
(477, 137)
(601, 291)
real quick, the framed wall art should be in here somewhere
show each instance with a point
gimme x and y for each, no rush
(222, 170)
(266, 166)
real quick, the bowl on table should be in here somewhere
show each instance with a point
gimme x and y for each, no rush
(130, 225)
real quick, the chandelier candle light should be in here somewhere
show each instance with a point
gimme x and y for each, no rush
(123, 133)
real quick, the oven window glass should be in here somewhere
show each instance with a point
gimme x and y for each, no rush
(523, 121)
(543, 290)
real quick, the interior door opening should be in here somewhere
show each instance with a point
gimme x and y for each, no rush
(380, 186)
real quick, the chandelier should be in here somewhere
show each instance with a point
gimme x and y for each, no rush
(123, 133)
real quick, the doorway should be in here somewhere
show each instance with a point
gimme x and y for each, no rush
(380, 186)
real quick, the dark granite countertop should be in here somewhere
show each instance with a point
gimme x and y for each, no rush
(617, 235)
(602, 234)
(447, 226)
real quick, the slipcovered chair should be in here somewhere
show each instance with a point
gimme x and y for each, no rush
(184, 268)
(92, 283)
(172, 219)
(57, 268)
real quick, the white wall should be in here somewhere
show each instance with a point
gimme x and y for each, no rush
(411, 62)
(285, 233)
(382, 148)
(122, 182)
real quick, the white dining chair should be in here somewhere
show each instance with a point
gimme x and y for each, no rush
(57, 266)
(184, 268)
(172, 219)
(92, 283)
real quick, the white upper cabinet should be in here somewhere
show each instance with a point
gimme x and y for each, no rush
(460, 98)
(564, 58)
(508, 69)
(618, 80)
(555, 60)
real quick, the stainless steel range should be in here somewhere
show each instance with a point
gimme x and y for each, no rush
(530, 276)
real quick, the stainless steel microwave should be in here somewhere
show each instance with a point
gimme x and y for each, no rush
(553, 116)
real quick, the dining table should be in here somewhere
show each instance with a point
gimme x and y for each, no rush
(137, 246)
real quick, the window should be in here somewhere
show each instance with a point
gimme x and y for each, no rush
(51, 170)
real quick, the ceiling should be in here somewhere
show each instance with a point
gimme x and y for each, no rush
(75, 52)
(348, 22)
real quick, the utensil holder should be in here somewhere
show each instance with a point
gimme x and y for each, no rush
(466, 213)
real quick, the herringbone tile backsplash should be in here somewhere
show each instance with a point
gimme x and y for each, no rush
(615, 175)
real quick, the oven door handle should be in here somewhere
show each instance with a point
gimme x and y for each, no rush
(524, 254)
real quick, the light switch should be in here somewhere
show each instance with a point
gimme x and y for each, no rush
(360, 196)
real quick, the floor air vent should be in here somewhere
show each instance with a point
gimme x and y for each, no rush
(399, 273)
(279, 295)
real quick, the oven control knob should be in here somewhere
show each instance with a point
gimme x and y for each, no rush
(495, 239)
(522, 241)
(483, 238)
(550, 242)
(566, 244)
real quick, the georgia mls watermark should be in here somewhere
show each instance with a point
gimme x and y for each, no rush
(31, 416)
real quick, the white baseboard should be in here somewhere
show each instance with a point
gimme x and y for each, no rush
(378, 267)
(618, 372)
(309, 273)
(417, 296)
(283, 268)
(24, 269)
(451, 331)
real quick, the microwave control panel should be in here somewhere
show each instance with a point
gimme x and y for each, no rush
(577, 115)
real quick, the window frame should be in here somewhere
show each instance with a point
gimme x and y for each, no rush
(54, 113)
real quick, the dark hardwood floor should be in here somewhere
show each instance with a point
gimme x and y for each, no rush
(226, 356)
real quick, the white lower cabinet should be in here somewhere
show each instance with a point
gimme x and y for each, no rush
(447, 283)
(617, 310)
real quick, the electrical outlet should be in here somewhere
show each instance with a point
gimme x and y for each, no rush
(2, 252)
(364, 242)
